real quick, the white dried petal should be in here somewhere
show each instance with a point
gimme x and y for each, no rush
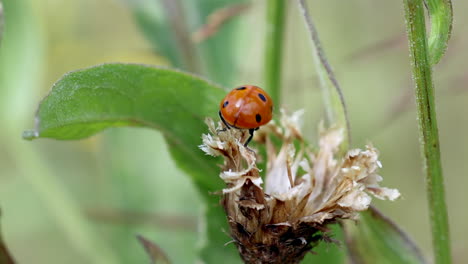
(356, 200)
(385, 193)
(277, 181)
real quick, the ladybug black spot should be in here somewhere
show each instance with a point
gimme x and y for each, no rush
(225, 104)
(241, 88)
(262, 97)
(258, 118)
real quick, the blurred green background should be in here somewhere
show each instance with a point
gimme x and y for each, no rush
(84, 201)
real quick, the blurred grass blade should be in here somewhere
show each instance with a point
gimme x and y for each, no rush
(169, 26)
(176, 17)
(441, 19)
(155, 25)
(335, 104)
(1, 22)
(275, 20)
(22, 54)
(155, 253)
(5, 256)
(376, 239)
(88, 101)
(220, 52)
(216, 20)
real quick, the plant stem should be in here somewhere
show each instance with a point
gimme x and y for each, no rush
(335, 104)
(276, 10)
(416, 30)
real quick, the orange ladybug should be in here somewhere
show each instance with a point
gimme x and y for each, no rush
(246, 107)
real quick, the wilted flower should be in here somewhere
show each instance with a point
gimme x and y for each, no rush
(305, 189)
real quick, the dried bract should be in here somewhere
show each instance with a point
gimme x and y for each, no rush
(304, 189)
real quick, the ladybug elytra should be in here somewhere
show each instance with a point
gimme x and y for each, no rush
(246, 107)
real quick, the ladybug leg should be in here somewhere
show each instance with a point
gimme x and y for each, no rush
(251, 132)
(227, 126)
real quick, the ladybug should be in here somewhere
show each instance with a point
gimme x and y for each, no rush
(246, 107)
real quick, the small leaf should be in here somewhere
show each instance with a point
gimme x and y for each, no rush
(5, 256)
(441, 19)
(155, 253)
(376, 239)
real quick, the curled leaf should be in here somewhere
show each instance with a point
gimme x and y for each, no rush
(441, 18)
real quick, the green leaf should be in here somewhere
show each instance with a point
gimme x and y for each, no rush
(376, 239)
(88, 101)
(5, 256)
(441, 19)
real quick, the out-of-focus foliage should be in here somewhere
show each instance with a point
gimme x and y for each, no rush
(170, 25)
(155, 253)
(375, 239)
(1, 21)
(5, 255)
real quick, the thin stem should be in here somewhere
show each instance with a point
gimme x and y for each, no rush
(415, 23)
(334, 98)
(276, 10)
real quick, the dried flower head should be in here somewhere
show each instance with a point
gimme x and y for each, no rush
(304, 190)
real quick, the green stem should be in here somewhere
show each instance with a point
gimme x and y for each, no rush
(415, 23)
(276, 10)
(334, 101)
